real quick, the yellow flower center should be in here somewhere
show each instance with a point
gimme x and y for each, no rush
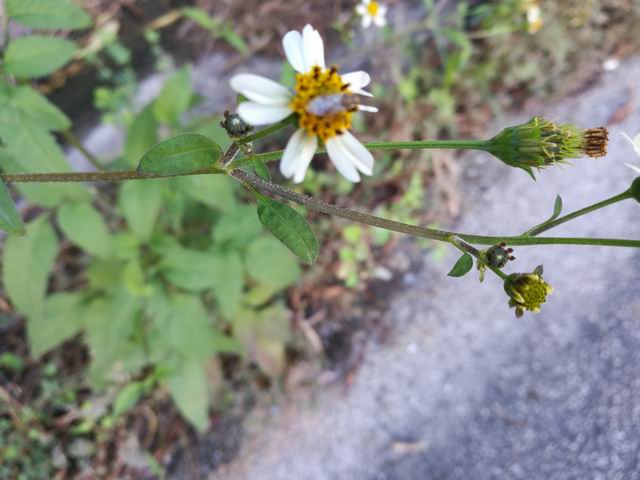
(373, 8)
(535, 294)
(319, 82)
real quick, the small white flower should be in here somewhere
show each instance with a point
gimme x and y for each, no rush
(534, 17)
(324, 101)
(372, 12)
(635, 143)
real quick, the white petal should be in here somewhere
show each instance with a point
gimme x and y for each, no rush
(257, 114)
(635, 142)
(298, 154)
(367, 108)
(357, 80)
(292, 44)
(361, 10)
(380, 21)
(361, 157)
(312, 47)
(261, 89)
(366, 21)
(341, 158)
(310, 145)
(382, 10)
(366, 2)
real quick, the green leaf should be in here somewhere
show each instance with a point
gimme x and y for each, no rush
(174, 98)
(261, 170)
(60, 320)
(289, 227)
(10, 220)
(462, 266)
(238, 227)
(48, 14)
(228, 284)
(191, 270)
(200, 17)
(190, 391)
(37, 56)
(216, 191)
(142, 135)
(557, 209)
(27, 262)
(84, 226)
(127, 398)
(269, 262)
(38, 111)
(140, 203)
(184, 153)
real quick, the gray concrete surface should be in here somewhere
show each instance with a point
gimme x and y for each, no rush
(463, 389)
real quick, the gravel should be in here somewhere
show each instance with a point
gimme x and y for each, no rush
(463, 389)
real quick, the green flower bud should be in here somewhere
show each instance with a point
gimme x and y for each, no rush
(496, 256)
(234, 125)
(527, 291)
(635, 189)
(540, 143)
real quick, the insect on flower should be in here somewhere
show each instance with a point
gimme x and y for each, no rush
(324, 102)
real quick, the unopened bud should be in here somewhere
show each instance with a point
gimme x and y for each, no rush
(635, 189)
(234, 125)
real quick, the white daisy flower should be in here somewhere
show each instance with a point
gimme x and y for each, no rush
(323, 100)
(534, 17)
(372, 12)
(635, 143)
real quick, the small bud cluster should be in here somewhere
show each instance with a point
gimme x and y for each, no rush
(540, 143)
(496, 256)
(234, 125)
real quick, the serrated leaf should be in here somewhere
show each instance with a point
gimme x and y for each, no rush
(190, 391)
(269, 262)
(48, 14)
(184, 153)
(174, 98)
(10, 220)
(289, 227)
(60, 320)
(27, 263)
(37, 55)
(140, 203)
(141, 136)
(84, 226)
(462, 266)
(557, 209)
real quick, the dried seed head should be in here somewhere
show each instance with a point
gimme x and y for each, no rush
(595, 142)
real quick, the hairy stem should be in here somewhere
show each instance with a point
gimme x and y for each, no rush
(92, 176)
(433, 234)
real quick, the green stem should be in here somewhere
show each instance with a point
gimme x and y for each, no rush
(381, 146)
(465, 247)
(433, 234)
(578, 213)
(71, 139)
(267, 131)
(93, 176)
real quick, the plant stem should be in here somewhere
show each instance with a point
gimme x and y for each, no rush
(381, 146)
(433, 234)
(267, 131)
(578, 213)
(465, 247)
(71, 138)
(93, 176)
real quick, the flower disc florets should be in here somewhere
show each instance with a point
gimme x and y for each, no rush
(333, 116)
(540, 143)
(527, 291)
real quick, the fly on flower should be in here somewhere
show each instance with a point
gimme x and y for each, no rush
(324, 102)
(372, 12)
